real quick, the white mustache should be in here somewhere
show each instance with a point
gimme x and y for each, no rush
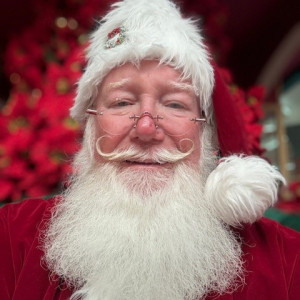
(132, 153)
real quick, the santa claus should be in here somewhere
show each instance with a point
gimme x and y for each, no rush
(165, 201)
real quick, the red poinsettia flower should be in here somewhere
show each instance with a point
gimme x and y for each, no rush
(44, 64)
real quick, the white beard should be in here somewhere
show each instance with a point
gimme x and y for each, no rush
(109, 241)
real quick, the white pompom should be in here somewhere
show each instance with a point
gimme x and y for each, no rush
(241, 188)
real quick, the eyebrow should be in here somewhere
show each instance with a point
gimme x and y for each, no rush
(117, 84)
(181, 86)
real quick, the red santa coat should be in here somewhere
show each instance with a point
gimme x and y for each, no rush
(271, 255)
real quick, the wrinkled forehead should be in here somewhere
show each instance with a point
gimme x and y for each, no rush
(130, 75)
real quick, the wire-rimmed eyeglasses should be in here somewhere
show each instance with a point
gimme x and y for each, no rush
(118, 122)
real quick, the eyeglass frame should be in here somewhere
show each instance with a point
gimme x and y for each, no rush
(146, 113)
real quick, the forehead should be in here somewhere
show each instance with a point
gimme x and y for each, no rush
(146, 71)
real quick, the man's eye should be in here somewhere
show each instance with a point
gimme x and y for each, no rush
(175, 105)
(121, 102)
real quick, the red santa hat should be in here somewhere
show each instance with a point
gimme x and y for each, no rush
(241, 187)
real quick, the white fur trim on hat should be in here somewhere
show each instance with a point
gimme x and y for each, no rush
(152, 30)
(240, 189)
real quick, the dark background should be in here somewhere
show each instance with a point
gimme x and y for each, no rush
(255, 28)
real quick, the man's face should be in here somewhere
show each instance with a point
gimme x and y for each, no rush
(172, 241)
(164, 103)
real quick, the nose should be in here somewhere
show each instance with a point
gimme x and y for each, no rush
(146, 129)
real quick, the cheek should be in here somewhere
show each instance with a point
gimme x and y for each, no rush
(108, 143)
(192, 139)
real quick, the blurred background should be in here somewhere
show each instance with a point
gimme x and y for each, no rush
(255, 30)
(257, 43)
